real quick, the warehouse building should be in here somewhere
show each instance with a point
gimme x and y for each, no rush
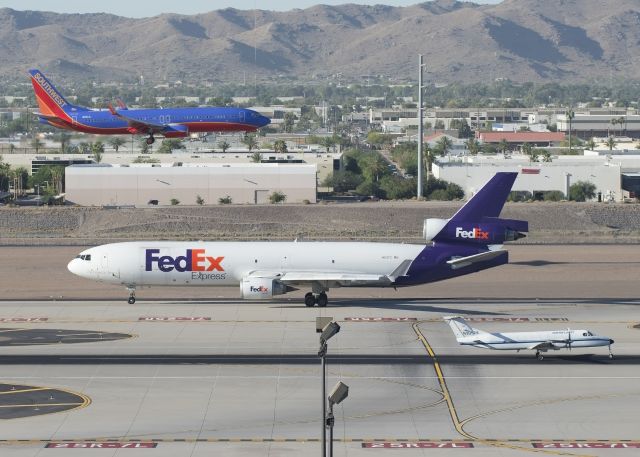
(145, 184)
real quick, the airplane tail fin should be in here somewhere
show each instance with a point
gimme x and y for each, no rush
(478, 220)
(460, 328)
(50, 101)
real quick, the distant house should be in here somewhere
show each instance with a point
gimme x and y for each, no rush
(540, 139)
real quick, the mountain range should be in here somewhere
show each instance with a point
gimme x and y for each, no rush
(520, 40)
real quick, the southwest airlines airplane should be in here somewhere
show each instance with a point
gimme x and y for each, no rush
(469, 241)
(169, 122)
(539, 341)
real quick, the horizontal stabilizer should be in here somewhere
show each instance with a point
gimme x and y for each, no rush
(461, 262)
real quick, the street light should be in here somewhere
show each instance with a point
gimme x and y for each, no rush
(329, 331)
(339, 393)
(420, 127)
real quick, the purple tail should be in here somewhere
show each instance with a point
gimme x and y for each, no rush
(478, 220)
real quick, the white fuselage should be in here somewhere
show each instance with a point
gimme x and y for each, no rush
(556, 339)
(168, 263)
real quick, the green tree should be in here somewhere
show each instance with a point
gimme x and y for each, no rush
(277, 197)
(503, 146)
(175, 202)
(590, 144)
(280, 146)
(343, 181)
(169, 145)
(63, 138)
(97, 149)
(5, 175)
(250, 141)
(374, 168)
(256, 157)
(225, 200)
(199, 200)
(582, 191)
(444, 145)
(327, 142)
(223, 145)
(289, 121)
(116, 141)
(145, 147)
(611, 143)
(473, 146)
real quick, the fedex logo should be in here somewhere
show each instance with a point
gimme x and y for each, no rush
(475, 234)
(261, 289)
(193, 260)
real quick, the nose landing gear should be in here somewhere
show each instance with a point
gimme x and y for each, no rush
(150, 140)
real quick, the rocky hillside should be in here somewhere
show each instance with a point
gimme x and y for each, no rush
(523, 40)
(566, 223)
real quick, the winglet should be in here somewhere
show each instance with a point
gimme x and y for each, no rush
(121, 104)
(112, 109)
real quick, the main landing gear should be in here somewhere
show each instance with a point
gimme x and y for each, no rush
(311, 299)
(132, 295)
(539, 355)
(150, 140)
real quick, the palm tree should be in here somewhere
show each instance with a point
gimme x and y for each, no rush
(473, 146)
(590, 144)
(63, 138)
(36, 144)
(327, 142)
(289, 120)
(611, 142)
(116, 142)
(249, 140)
(374, 167)
(280, 146)
(256, 157)
(503, 146)
(224, 145)
(444, 144)
(570, 115)
(527, 149)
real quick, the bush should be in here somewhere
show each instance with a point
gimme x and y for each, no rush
(369, 188)
(437, 189)
(396, 188)
(519, 196)
(224, 200)
(553, 196)
(582, 191)
(199, 200)
(343, 181)
(277, 197)
(175, 201)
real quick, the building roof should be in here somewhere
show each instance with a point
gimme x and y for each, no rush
(520, 137)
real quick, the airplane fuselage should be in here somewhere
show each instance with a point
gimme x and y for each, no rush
(561, 339)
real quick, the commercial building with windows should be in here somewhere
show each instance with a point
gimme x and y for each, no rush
(141, 185)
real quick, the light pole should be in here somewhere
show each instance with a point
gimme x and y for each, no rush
(339, 393)
(327, 333)
(420, 127)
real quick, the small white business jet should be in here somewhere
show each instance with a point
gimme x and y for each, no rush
(539, 341)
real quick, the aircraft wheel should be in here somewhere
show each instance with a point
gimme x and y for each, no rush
(150, 140)
(611, 356)
(539, 356)
(322, 300)
(131, 300)
(309, 300)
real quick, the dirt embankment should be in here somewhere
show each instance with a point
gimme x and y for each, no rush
(567, 223)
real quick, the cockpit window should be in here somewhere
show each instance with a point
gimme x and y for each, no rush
(84, 256)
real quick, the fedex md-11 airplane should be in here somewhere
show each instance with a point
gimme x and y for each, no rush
(470, 241)
(515, 341)
(55, 110)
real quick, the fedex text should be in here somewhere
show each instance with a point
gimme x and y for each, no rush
(194, 260)
(474, 234)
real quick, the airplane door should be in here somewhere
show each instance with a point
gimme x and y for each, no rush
(74, 119)
(241, 116)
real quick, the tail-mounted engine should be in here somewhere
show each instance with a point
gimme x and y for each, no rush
(489, 230)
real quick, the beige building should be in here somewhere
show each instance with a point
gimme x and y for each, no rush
(143, 184)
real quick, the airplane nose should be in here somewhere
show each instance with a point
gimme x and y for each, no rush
(264, 120)
(74, 267)
(611, 341)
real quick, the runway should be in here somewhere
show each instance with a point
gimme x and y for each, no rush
(201, 377)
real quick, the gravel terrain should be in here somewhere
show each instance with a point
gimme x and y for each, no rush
(567, 223)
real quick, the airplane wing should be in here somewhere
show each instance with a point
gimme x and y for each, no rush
(136, 125)
(550, 344)
(346, 278)
(461, 262)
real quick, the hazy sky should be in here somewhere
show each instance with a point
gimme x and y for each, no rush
(134, 8)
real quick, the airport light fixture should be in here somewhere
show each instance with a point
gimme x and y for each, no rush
(337, 395)
(329, 331)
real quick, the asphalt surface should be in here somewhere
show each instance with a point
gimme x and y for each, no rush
(203, 373)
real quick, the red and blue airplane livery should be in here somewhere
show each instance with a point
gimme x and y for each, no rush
(170, 122)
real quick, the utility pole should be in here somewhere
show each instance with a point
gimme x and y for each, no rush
(420, 127)
(570, 115)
